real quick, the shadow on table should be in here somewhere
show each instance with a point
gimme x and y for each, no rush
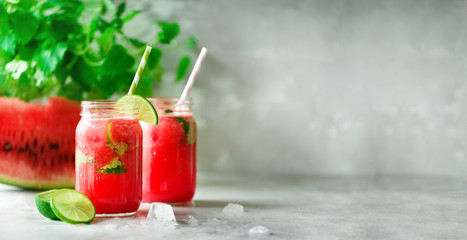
(222, 204)
(8, 188)
(188, 208)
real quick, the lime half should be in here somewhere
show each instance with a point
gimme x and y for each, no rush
(72, 206)
(147, 112)
(43, 204)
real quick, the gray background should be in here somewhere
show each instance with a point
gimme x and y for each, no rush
(325, 87)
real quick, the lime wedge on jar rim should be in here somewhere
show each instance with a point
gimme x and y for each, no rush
(72, 206)
(43, 204)
(147, 112)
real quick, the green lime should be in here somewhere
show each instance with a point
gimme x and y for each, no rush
(72, 206)
(147, 112)
(43, 204)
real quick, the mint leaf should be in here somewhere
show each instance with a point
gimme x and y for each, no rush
(61, 27)
(117, 23)
(130, 15)
(6, 85)
(116, 72)
(117, 61)
(154, 58)
(4, 25)
(168, 31)
(25, 88)
(24, 82)
(24, 26)
(8, 43)
(137, 43)
(119, 148)
(92, 28)
(182, 69)
(120, 9)
(101, 24)
(82, 158)
(50, 57)
(72, 8)
(189, 128)
(114, 167)
(78, 43)
(83, 74)
(184, 123)
(191, 43)
(62, 74)
(27, 52)
(106, 39)
(3, 83)
(144, 87)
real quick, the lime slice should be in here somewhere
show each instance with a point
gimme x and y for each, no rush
(43, 204)
(72, 206)
(147, 112)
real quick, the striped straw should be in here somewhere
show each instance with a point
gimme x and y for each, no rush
(193, 74)
(141, 66)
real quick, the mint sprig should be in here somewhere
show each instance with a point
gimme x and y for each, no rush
(119, 147)
(184, 123)
(78, 49)
(189, 128)
(114, 167)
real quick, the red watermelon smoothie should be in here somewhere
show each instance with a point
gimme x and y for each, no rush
(109, 157)
(169, 153)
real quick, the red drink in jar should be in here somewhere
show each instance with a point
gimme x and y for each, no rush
(169, 153)
(109, 157)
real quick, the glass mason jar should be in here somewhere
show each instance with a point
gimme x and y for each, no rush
(109, 157)
(169, 153)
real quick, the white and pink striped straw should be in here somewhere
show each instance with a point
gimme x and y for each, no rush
(193, 74)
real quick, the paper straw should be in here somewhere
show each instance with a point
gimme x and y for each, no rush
(141, 66)
(193, 74)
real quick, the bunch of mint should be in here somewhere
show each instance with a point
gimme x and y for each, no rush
(77, 49)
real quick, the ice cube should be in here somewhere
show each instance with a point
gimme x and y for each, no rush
(233, 209)
(161, 212)
(259, 231)
(192, 220)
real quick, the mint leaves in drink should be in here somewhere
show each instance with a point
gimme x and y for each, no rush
(189, 128)
(119, 147)
(114, 167)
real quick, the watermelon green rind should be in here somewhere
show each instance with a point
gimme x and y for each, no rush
(37, 185)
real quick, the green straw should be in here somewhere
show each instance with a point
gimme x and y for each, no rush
(141, 66)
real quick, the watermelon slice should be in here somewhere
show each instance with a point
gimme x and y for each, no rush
(37, 143)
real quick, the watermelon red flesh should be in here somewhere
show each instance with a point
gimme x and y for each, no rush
(37, 143)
